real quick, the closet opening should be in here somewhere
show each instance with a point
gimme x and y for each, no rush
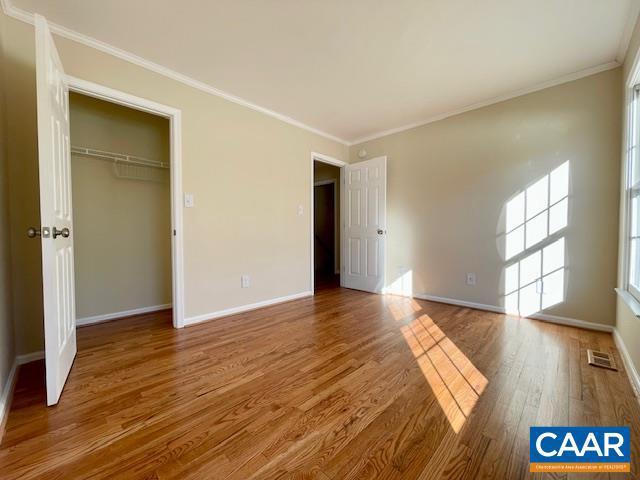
(122, 211)
(326, 224)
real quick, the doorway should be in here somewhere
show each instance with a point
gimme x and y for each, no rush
(326, 231)
(359, 221)
(174, 117)
(121, 204)
(325, 226)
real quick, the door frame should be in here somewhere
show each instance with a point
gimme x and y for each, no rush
(319, 157)
(174, 116)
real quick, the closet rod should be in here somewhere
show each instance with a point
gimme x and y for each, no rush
(118, 157)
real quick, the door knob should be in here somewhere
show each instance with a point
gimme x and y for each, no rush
(33, 232)
(381, 232)
(64, 232)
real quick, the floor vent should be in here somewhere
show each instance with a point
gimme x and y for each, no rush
(601, 359)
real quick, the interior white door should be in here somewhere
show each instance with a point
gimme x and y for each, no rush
(55, 211)
(365, 220)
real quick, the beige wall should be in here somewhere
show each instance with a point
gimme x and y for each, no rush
(449, 181)
(232, 158)
(7, 343)
(324, 171)
(122, 227)
(627, 324)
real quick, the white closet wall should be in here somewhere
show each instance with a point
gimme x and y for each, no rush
(122, 226)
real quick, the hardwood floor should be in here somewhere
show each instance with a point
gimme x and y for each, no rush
(343, 385)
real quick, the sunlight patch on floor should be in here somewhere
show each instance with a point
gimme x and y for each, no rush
(455, 381)
(402, 309)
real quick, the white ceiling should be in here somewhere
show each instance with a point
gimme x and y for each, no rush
(354, 68)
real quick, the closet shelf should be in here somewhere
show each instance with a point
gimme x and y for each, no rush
(118, 158)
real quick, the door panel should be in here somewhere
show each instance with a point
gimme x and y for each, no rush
(55, 212)
(365, 225)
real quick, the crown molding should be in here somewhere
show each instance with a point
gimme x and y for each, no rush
(501, 98)
(632, 18)
(24, 16)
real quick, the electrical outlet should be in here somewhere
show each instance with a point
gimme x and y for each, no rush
(471, 278)
(245, 281)
(189, 200)
(300, 210)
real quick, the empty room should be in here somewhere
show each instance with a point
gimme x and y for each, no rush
(319, 240)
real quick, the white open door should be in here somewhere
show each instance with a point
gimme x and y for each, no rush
(365, 220)
(55, 212)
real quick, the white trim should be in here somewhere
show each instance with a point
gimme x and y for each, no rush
(30, 357)
(629, 157)
(485, 103)
(459, 303)
(65, 32)
(322, 183)
(632, 18)
(572, 322)
(80, 322)
(7, 396)
(108, 94)
(244, 308)
(630, 300)
(632, 373)
(175, 119)
(320, 157)
(624, 213)
(632, 74)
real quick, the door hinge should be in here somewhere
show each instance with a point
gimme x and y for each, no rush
(174, 232)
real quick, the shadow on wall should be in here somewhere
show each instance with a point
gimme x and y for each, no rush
(534, 245)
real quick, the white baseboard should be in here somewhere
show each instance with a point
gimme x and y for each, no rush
(572, 322)
(460, 303)
(30, 357)
(7, 391)
(632, 372)
(244, 308)
(80, 322)
(7, 396)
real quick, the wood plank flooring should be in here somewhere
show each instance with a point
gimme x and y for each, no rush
(343, 385)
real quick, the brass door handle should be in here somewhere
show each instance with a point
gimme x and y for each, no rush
(64, 232)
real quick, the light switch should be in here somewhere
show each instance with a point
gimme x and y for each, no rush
(189, 200)
(300, 210)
